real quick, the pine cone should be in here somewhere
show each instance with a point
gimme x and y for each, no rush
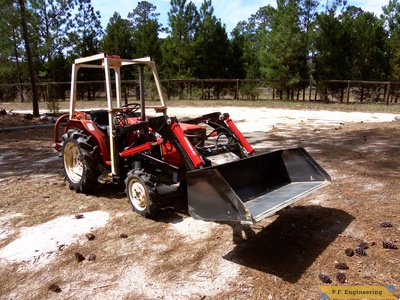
(349, 252)
(123, 235)
(364, 245)
(385, 224)
(341, 266)
(389, 245)
(79, 257)
(324, 278)
(361, 251)
(341, 277)
(78, 216)
(55, 288)
(90, 236)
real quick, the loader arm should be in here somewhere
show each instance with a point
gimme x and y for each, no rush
(217, 119)
(171, 131)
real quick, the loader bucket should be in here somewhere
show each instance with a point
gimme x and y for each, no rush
(253, 188)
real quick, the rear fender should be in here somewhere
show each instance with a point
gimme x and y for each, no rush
(91, 129)
(57, 140)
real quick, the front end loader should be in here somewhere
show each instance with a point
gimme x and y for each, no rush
(225, 179)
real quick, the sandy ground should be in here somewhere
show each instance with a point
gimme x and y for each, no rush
(176, 257)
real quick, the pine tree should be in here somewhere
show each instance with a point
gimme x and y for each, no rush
(51, 22)
(145, 29)
(32, 73)
(85, 38)
(213, 49)
(87, 31)
(118, 39)
(178, 49)
(11, 44)
(368, 44)
(391, 16)
(282, 52)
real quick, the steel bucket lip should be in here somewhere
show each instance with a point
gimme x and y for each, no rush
(303, 190)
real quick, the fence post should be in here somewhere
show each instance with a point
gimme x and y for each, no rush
(273, 90)
(348, 91)
(168, 91)
(202, 89)
(362, 94)
(387, 94)
(237, 89)
(46, 97)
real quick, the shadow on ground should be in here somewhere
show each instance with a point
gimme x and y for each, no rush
(290, 244)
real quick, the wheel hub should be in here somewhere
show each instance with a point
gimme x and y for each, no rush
(138, 195)
(73, 162)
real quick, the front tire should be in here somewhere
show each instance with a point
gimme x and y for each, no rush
(141, 193)
(80, 167)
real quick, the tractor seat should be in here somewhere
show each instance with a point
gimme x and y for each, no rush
(100, 118)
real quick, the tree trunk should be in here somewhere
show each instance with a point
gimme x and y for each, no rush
(19, 86)
(35, 98)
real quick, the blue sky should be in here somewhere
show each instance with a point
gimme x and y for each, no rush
(229, 11)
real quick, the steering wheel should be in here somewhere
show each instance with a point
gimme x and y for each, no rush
(135, 106)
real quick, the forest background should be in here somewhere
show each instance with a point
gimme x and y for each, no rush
(294, 40)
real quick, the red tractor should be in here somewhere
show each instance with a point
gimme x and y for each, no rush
(225, 180)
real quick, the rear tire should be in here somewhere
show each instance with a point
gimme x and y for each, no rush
(141, 193)
(80, 167)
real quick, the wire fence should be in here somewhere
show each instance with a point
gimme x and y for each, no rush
(343, 91)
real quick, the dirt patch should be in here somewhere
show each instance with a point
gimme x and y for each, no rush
(176, 257)
(12, 119)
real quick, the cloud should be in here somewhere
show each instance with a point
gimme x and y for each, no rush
(374, 6)
(234, 11)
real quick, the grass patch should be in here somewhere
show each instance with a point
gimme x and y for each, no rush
(274, 104)
(296, 105)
